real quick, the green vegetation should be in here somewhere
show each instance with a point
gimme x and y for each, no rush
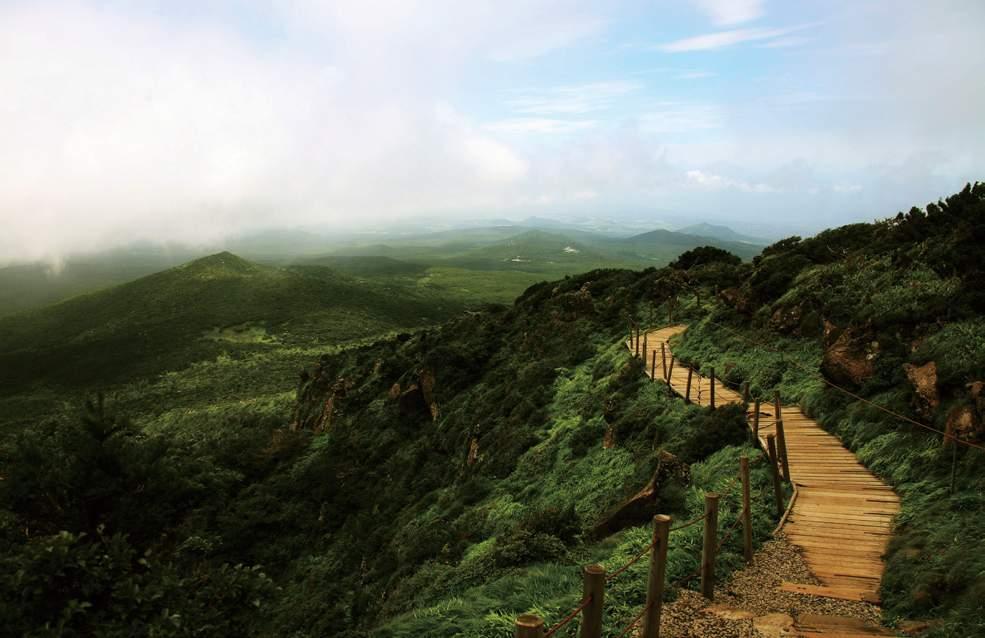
(857, 306)
(441, 480)
(484, 471)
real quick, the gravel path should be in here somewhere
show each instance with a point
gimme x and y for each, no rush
(751, 605)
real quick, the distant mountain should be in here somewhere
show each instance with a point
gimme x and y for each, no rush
(28, 286)
(722, 232)
(660, 247)
(197, 310)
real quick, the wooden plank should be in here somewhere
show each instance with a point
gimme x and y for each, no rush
(841, 593)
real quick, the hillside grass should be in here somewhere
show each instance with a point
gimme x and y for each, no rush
(934, 568)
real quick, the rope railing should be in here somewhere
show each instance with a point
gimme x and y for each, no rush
(632, 561)
(635, 621)
(705, 567)
(567, 619)
(590, 607)
(846, 391)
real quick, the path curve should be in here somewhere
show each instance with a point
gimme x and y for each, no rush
(842, 517)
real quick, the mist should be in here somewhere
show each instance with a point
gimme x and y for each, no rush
(193, 123)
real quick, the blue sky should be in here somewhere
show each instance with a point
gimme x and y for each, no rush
(187, 121)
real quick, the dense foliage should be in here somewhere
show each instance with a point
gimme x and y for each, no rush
(908, 290)
(441, 481)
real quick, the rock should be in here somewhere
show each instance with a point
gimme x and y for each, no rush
(394, 392)
(776, 625)
(412, 402)
(963, 423)
(850, 358)
(735, 298)
(787, 320)
(427, 381)
(924, 380)
(642, 506)
(730, 613)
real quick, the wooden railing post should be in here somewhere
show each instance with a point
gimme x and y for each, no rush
(663, 359)
(658, 572)
(687, 392)
(712, 390)
(529, 626)
(745, 394)
(637, 348)
(755, 423)
(781, 441)
(644, 349)
(710, 546)
(746, 510)
(777, 488)
(591, 615)
(776, 405)
(653, 366)
(670, 370)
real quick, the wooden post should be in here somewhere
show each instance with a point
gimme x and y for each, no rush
(529, 626)
(710, 546)
(776, 405)
(781, 441)
(755, 423)
(746, 510)
(687, 393)
(658, 572)
(591, 615)
(777, 488)
(745, 394)
(644, 349)
(637, 348)
(712, 389)
(663, 359)
(670, 370)
(653, 366)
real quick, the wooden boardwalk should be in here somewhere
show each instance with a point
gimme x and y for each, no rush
(842, 515)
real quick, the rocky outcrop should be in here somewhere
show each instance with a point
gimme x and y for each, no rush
(417, 399)
(313, 412)
(787, 320)
(924, 381)
(642, 506)
(964, 423)
(850, 358)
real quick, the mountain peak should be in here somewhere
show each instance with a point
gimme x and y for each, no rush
(224, 264)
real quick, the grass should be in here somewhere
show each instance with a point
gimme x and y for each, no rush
(934, 568)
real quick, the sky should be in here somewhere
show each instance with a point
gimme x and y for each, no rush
(192, 120)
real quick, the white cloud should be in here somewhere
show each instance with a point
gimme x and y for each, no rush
(711, 181)
(729, 12)
(571, 100)
(722, 39)
(680, 117)
(539, 125)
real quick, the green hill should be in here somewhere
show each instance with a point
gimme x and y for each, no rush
(214, 304)
(439, 482)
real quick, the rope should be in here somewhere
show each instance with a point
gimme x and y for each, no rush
(855, 396)
(691, 522)
(631, 562)
(635, 621)
(553, 630)
(731, 530)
